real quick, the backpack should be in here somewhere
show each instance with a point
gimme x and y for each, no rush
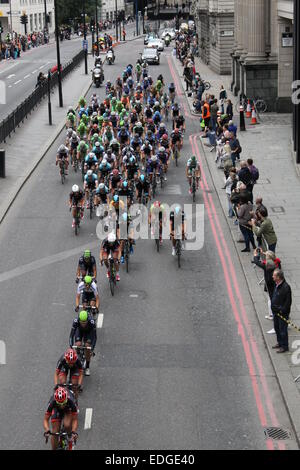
(254, 173)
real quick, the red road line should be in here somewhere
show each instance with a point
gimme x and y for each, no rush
(241, 331)
(241, 303)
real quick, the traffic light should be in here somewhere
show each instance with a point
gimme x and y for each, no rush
(24, 19)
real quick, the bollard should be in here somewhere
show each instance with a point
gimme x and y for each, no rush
(2, 163)
(242, 119)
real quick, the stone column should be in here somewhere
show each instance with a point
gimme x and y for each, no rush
(274, 30)
(256, 30)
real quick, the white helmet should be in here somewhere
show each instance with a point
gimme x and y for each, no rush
(104, 161)
(89, 172)
(75, 188)
(154, 158)
(74, 134)
(111, 237)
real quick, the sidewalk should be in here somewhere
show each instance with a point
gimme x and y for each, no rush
(269, 144)
(36, 134)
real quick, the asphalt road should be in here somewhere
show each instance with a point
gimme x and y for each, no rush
(171, 370)
(20, 76)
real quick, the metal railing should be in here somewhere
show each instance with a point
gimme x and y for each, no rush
(16, 117)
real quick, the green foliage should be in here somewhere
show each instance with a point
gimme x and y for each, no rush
(68, 10)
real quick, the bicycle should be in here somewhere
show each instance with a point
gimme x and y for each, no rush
(127, 253)
(65, 440)
(81, 355)
(178, 250)
(259, 104)
(77, 219)
(194, 187)
(112, 276)
(62, 165)
(91, 202)
(176, 154)
(154, 184)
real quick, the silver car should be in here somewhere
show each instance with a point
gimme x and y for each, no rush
(151, 56)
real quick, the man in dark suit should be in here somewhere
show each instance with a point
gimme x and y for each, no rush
(281, 304)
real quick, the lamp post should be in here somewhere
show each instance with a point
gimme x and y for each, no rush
(58, 56)
(84, 35)
(97, 26)
(116, 18)
(136, 17)
(46, 23)
(296, 110)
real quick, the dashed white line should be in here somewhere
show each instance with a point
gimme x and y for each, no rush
(26, 76)
(16, 83)
(42, 67)
(134, 296)
(100, 320)
(88, 418)
(34, 71)
(11, 76)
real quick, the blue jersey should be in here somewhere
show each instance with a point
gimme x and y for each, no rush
(105, 168)
(90, 160)
(91, 179)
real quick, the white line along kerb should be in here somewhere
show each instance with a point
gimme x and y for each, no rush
(100, 320)
(88, 418)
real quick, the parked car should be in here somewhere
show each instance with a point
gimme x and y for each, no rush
(150, 55)
(156, 43)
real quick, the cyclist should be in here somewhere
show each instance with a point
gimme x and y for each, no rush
(90, 184)
(157, 214)
(180, 124)
(101, 199)
(162, 155)
(175, 214)
(89, 292)
(172, 92)
(175, 113)
(138, 71)
(86, 266)
(125, 191)
(176, 140)
(76, 199)
(132, 169)
(123, 136)
(165, 104)
(71, 121)
(61, 407)
(126, 219)
(143, 186)
(74, 142)
(115, 179)
(146, 151)
(164, 142)
(193, 164)
(104, 170)
(62, 156)
(162, 130)
(90, 162)
(111, 245)
(82, 151)
(153, 166)
(83, 333)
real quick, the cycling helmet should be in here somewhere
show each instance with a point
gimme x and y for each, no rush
(116, 198)
(125, 184)
(70, 356)
(69, 132)
(177, 210)
(75, 188)
(161, 149)
(165, 137)
(89, 172)
(132, 159)
(82, 144)
(70, 109)
(156, 103)
(162, 126)
(156, 204)
(111, 238)
(61, 396)
(115, 172)
(142, 178)
(139, 124)
(104, 161)
(88, 280)
(87, 254)
(193, 159)
(97, 144)
(154, 158)
(62, 149)
(101, 186)
(124, 217)
(74, 134)
(83, 315)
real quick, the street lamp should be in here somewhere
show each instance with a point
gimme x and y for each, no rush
(116, 4)
(46, 23)
(58, 56)
(85, 46)
(97, 26)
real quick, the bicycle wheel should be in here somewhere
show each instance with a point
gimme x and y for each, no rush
(261, 106)
(91, 207)
(76, 227)
(178, 252)
(157, 244)
(62, 173)
(112, 284)
(207, 85)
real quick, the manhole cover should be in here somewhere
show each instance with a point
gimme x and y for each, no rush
(278, 210)
(277, 434)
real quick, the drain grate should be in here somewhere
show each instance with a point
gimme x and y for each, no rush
(277, 434)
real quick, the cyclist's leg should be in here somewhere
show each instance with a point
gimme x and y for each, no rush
(55, 427)
(68, 422)
(62, 378)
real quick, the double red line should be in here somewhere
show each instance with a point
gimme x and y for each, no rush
(249, 343)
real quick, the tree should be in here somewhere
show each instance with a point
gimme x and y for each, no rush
(68, 9)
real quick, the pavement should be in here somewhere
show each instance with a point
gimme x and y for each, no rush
(269, 145)
(178, 365)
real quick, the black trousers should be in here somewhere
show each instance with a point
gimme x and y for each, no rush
(281, 329)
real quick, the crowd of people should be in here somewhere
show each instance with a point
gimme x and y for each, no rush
(240, 178)
(15, 44)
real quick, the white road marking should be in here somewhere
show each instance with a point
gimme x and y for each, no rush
(26, 76)
(9, 86)
(172, 189)
(47, 261)
(34, 71)
(42, 66)
(16, 83)
(57, 303)
(100, 320)
(9, 68)
(10, 76)
(88, 418)
(134, 296)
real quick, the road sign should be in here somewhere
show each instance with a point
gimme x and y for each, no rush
(85, 44)
(15, 12)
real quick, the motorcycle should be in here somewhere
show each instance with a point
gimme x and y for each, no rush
(98, 77)
(167, 40)
(110, 57)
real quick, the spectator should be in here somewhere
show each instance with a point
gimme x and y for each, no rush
(206, 113)
(214, 114)
(245, 176)
(229, 110)
(230, 182)
(281, 305)
(265, 229)
(223, 98)
(235, 149)
(269, 264)
(244, 217)
(253, 170)
(232, 128)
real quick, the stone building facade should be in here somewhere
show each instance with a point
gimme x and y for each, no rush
(215, 27)
(262, 59)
